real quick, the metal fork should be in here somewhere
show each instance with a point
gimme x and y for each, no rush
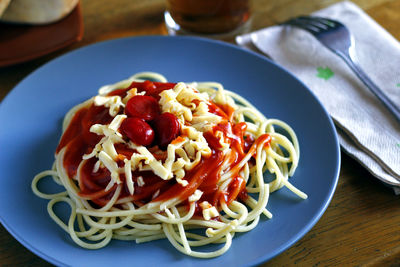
(335, 36)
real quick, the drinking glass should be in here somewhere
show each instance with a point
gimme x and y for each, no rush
(213, 18)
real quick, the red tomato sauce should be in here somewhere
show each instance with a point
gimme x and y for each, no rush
(78, 140)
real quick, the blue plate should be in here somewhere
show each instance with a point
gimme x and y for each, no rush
(31, 115)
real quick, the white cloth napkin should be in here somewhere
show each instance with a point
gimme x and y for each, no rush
(367, 130)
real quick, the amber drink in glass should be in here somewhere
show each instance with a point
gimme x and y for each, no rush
(207, 17)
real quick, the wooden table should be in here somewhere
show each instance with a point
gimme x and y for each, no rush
(361, 225)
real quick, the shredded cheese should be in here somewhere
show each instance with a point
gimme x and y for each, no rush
(183, 153)
(209, 211)
(195, 196)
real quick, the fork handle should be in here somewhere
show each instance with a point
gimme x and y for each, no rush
(351, 62)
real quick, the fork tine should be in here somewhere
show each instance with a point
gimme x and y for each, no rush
(316, 22)
(304, 25)
(321, 21)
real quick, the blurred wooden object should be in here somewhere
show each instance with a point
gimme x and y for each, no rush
(37, 12)
(361, 225)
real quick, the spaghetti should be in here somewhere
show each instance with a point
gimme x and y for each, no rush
(146, 160)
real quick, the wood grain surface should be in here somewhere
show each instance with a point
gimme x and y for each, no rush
(361, 225)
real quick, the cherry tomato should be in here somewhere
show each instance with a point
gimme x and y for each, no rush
(138, 131)
(142, 106)
(163, 86)
(151, 88)
(166, 127)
